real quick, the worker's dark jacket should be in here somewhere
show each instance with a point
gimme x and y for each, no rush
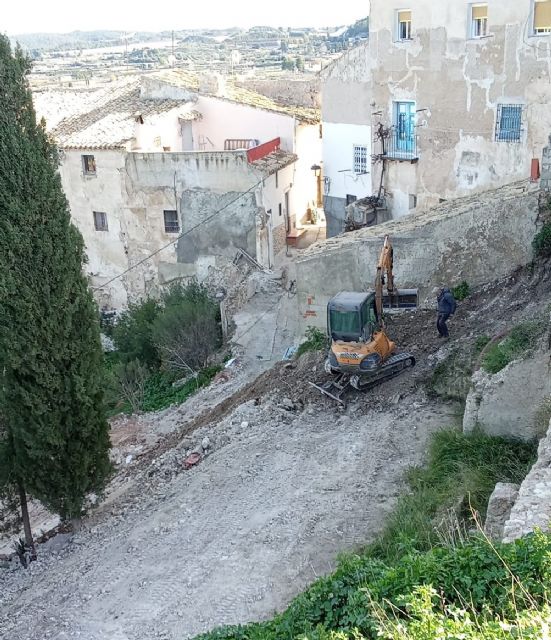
(446, 302)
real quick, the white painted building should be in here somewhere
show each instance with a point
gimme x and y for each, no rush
(141, 166)
(454, 97)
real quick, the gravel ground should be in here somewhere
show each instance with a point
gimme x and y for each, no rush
(233, 539)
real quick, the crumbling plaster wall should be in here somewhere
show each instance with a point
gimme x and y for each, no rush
(106, 250)
(447, 244)
(458, 83)
(289, 89)
(197, 186)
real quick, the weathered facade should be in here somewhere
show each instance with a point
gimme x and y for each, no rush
(444, 245)
(455, 95)
(145, 162)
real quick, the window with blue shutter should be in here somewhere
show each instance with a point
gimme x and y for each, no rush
(509, 123)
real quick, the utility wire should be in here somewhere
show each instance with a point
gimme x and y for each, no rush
(181, 235)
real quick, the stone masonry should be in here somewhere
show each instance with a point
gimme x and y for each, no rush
(533, 506)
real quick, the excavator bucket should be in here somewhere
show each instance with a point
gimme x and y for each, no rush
(400, 299)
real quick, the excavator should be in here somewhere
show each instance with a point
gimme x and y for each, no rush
(361, 354)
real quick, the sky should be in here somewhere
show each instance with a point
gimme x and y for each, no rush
(61, 16)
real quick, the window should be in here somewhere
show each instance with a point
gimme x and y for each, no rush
(172, 224)
(360, 159)
(404, 24)
(350, 199)
(412, 201)
(509, 123)
(277, 179)
(542, 16)
(479, 20)
(280, 210)
(89, 165)
(100, 221)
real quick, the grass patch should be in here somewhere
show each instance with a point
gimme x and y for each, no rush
(350, 603)
(160, 392)
(461, 472)
(542, 242)
(520, 341)
(316, 340)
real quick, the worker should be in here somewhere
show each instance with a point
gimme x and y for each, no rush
(446, 308)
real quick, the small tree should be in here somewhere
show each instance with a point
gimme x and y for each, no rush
(55, 436)
(131, 377)
(187, 332)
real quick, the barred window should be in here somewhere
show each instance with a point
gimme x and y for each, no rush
(100, 221)
(172, 225)
(509, 123)
(360, 159)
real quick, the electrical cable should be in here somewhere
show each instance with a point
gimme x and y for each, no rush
(179, 237)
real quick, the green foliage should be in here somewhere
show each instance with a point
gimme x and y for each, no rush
(133, 333)
(56, 437)
(187, 331)
(542, 242)
(520, 341)
(451, 378)
(428, 619)
(160, 393)
(460, 474)
(480, 343)
(356, 600)
(316, 340)
(131, 380)
(461, 291)
(352, 599)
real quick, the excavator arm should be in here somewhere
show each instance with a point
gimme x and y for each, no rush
(386, 293)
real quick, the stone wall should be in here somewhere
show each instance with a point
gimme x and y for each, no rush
(533, 506)
(444, 245)
(505, 404)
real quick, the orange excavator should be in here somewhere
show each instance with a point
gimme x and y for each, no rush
(361, 354)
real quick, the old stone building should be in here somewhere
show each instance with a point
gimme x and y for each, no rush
(147, 160)
(447, 99)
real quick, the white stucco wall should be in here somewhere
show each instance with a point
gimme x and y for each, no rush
(308, 148)
(223, 119)
(338, 159)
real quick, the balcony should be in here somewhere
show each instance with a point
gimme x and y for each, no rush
(400, 143)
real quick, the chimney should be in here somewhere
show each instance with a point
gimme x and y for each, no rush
(212, 84)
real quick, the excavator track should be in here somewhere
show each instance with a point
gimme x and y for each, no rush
(336, 388)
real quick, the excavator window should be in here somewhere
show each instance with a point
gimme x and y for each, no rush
(344, 324)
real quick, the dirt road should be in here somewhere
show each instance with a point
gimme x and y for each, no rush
(231, 540)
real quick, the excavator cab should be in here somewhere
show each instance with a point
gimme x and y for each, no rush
(352, 316)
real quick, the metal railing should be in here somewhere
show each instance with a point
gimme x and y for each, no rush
(400, 144)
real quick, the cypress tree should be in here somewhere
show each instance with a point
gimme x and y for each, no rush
(54, 438)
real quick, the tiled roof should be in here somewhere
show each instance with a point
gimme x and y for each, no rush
(100, 119)
(274, 161)
(232, 93)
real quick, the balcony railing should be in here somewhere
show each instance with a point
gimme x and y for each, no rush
(400, 144)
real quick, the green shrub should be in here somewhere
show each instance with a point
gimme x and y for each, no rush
(480, 343)
(461, 291)
(187, 331)
(133, 334)
(159, 392)
(542, 242)
(520, 341)
(316, 340)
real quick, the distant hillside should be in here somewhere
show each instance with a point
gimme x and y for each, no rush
(75, 39)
